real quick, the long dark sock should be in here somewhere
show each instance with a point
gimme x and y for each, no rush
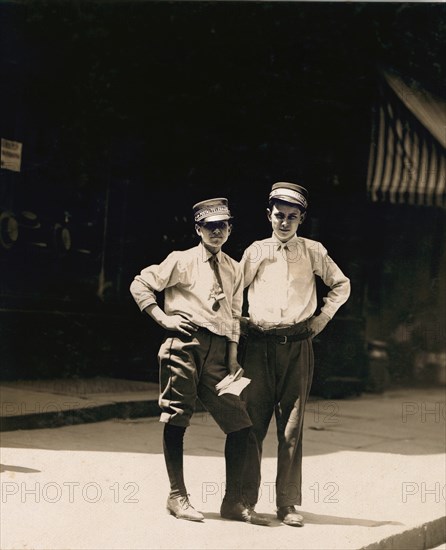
(235, 454)
(173, 455)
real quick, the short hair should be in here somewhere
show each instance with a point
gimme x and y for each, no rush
(274, 201)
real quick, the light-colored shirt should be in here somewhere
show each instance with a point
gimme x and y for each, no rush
(282, 281)
(188, 282)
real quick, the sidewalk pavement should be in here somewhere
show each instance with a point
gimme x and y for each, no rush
(374, 472)
(29, 404)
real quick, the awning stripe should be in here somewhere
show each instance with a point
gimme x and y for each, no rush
(407, 165)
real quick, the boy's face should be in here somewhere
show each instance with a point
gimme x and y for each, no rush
(213, 234)
(285, 219)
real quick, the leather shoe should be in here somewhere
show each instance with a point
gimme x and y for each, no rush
(181, 508)
(240, 511)
(290, 516)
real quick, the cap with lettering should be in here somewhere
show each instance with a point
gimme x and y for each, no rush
(290, 192)
(211, 210)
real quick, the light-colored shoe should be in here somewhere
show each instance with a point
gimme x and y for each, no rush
(181, 508)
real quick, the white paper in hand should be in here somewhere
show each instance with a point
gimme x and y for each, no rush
(229, 385)
(236, 387)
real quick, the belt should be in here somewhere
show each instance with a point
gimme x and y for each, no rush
(203, 330)
(295, 333)
(285, 339)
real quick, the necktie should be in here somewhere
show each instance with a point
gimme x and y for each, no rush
(282, 291)
(217, 290)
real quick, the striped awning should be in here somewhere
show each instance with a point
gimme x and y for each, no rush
(407, 162)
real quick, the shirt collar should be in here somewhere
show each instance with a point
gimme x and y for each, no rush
(280, 244)
(206, 255)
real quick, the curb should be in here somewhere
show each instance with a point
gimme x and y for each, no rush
(428, 535)
(69, 417)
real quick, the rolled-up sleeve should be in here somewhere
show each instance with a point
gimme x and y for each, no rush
(153, 279)
(237, 302)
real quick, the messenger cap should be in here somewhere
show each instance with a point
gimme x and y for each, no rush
(290, 192)
(211, 210)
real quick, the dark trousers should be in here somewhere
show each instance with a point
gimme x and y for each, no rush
(190, 367)
(281, 376)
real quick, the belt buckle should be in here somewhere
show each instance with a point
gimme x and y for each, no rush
(285, 340)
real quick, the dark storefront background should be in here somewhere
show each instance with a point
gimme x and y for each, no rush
(129, 112)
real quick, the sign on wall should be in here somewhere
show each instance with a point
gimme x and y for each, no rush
(11, 155)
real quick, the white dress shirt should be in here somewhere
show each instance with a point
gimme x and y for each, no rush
(282, 281)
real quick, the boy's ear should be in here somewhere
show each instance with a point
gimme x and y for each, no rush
(303, 215)
(268, 214)
(198, 229)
